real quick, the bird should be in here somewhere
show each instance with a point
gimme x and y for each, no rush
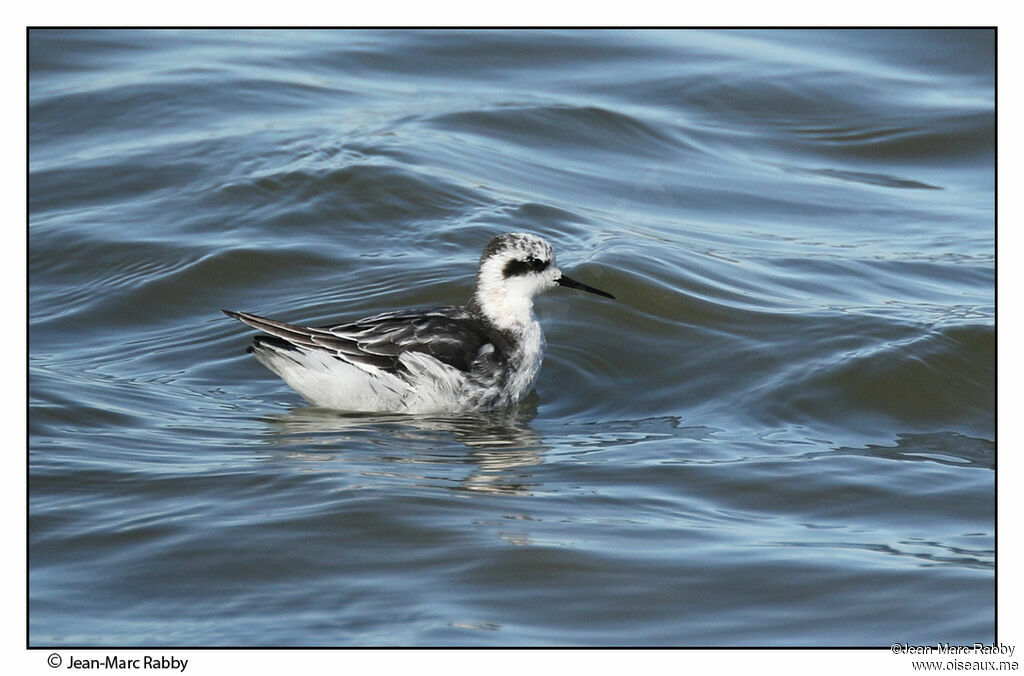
(483, 355)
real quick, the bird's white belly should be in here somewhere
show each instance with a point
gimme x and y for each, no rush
(427, 386)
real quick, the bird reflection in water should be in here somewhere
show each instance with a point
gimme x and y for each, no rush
(498, 446)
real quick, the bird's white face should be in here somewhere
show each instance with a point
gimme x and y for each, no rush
(513, 269)
(526, 266)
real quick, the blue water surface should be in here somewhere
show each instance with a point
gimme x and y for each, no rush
(782, 433)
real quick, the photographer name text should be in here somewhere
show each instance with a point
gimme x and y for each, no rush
(114, 662)
(947, 649)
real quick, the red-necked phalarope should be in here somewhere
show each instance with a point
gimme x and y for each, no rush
(483, 355)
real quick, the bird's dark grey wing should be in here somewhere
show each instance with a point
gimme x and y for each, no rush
(284, 336)
(449, 334)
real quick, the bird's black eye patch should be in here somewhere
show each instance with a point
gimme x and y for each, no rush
(522, 267)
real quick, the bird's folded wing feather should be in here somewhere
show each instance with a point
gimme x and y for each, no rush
(449, 334)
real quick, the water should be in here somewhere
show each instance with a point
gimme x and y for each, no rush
(781, 434)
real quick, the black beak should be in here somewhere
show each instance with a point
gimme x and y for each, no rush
(573, 284)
